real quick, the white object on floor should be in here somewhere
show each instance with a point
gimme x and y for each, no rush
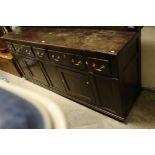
(51, 112)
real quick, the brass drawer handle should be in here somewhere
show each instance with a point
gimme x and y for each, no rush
(40, 54)
(102, 67)
(28, 52)
(18, 49)
(56, 59)
(87, 83)
(78, 63)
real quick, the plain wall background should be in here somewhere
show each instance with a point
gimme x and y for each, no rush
(148, 57)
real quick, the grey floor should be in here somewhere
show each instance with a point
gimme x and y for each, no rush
(142, 114)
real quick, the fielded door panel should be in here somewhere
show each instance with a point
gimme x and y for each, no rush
(54, 76)
(79, 85)
(32, 69)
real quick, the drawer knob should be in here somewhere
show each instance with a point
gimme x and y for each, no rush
(87, 82)
(76, 64)
(42, 41)
(100, 69)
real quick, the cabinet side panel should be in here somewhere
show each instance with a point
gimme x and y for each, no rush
(109, 94)
(130, 76)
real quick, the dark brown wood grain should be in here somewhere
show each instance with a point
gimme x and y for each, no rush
(104, 41)
(78, 64)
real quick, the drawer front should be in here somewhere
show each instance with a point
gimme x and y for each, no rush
(23, 49)
(10, 47)
(40, 53)
(99, 66)
(57, 57)
(75, 61)
(18, 48)
(26, 50)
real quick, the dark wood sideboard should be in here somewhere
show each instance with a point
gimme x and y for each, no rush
(98, 67)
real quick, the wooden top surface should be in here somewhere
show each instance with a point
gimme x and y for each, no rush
(99, 40)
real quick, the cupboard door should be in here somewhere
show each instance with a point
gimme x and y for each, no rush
(78, 85)
(54, 76)
(109, 94)
(23, 67)
(32, 69)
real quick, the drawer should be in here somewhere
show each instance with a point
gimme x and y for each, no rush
(23, 49)
(18, 48)
(99, 66)
(75, 61)
(40, 53)
(26, 50)
(10, 47)
(57, 57)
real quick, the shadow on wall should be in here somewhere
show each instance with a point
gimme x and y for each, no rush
(148, 57)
